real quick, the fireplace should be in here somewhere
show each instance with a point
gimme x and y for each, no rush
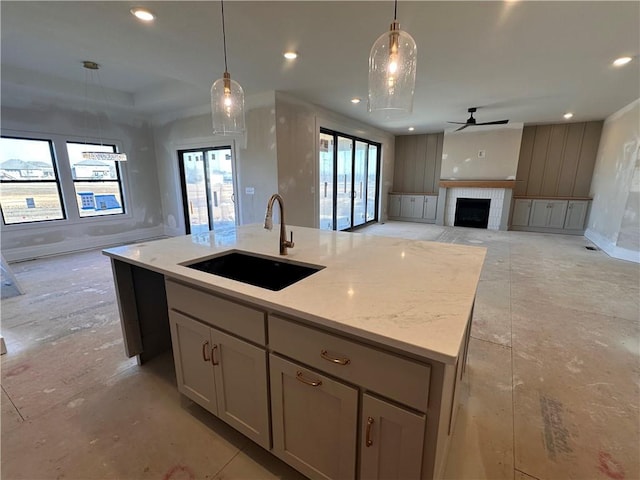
(472, 212)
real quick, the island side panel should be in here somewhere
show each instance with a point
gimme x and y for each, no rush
(144, 317)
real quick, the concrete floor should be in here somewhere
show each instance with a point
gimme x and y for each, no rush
(553, 386)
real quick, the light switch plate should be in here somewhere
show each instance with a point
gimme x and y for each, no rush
(481, 153)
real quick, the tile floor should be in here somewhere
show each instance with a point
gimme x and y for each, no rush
(553, 389)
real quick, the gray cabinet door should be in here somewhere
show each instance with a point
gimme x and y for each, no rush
(394, 205)
(558, 212)
(521, 211)
(539, 213)
(391, 441)
(315, 421)
(430, 203)
(192, 347)
(548, 213)
(411, 206)
(241, 386)
(576, 214)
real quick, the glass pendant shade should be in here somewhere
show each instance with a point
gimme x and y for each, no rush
(227, 106)
(392, 73)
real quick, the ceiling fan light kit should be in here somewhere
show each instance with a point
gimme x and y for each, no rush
(472, 122)
(392, 71)
(227, 99)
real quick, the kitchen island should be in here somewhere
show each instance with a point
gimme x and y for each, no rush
(352, 372)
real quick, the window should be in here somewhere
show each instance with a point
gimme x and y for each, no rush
(30, 188)
(97, 182)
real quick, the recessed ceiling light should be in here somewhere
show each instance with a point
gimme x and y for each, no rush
(290, 55)
(142, 14)
(355, 100)
(568, 115)
(411, 129)
(618, 62)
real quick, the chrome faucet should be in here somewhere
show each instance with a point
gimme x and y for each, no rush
(268, 223)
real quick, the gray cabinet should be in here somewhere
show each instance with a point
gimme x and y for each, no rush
(548, 213)
(411, 206)
(391, 441)
(315, 421)
(394, 205)
(521, 211)
(576, 214)
(429, 210)
(225, 375)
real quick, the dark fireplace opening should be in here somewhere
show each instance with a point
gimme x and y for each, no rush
(472, 212)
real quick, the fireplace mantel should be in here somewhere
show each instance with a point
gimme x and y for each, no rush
(510, 184)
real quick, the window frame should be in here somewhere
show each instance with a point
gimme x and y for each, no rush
(118, 180)
(56, 180)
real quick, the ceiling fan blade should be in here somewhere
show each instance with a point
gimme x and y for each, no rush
(462, 127)
(497, 122)
(459, 123)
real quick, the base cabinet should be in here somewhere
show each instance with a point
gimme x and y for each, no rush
(223, 374)
(391, 441)
(550, 215)
(429, 211)
(394, 205)
(314, 421)
(411, 206)
(576, 215)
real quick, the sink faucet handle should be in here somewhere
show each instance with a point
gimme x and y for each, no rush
(290, 244)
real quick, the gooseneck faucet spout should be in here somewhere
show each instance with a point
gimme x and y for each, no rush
(268, 223)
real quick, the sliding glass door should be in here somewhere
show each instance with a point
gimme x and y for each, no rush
(208, 196)
(349, 172)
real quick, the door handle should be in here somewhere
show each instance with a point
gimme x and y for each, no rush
(204, 351)
(368, 442)
(213, 357)
(313, 383)
(340, 361)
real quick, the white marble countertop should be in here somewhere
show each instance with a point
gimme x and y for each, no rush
(413, 296)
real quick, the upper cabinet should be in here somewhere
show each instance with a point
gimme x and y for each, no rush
(417, 163)
(557, 160)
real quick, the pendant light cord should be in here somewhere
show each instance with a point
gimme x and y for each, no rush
(395, 10)
(224, 36)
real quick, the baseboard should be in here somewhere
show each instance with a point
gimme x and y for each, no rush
(610, 248)
(72, 245)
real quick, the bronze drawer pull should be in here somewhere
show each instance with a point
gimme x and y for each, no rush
(213, 359)
(340, 361)
(368, 441)
(204, 351)
(313, 383)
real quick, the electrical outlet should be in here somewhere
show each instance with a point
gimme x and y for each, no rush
(250, 190)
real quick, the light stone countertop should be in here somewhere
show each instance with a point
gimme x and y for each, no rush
(414, 296)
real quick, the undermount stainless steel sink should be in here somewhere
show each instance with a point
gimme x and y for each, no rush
(266, 272)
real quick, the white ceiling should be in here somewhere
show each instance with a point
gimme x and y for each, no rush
(526, 61)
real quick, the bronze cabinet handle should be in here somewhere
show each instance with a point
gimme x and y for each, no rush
(368, 441)
(313, 383)
(204, 351)
(340, 361)
(213, 358)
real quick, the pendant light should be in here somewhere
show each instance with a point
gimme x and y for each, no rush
(91, 68)
(392, 71)
(227, 99)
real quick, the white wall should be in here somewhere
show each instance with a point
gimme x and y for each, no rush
(255, 160)
(614, 221)
(143, 218)
(501, 146)
(298, 126)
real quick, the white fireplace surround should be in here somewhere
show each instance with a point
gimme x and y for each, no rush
(496, 195)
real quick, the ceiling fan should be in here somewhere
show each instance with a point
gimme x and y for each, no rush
(471, 122)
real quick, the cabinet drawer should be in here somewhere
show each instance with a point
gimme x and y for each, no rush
(243, 321)
(389, 375)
